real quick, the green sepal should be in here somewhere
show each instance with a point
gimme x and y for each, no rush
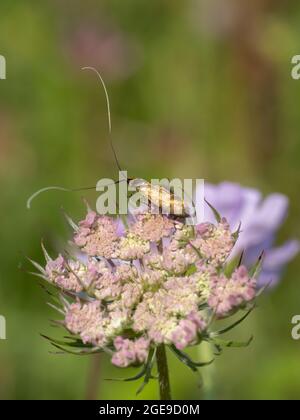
(235, 324)
(148, 370)
(262, 289)
(76, 353)
(45, 252)
(236, 234)
(37, 266)
(230, 343)
(215, 212)
(191, 270)
(254, 272)
(184, 358)
(131, 379)
(70, 221)
(76, 342)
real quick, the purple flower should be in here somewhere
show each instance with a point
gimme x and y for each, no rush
(261, 218)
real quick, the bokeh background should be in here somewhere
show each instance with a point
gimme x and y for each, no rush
(199, 89)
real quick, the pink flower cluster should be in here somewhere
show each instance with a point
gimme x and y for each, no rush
(97, 236)
(187, 330)
(86, 320)
(214, 242)
(228, 294)
(154, 280)
(68, 276)
(130, 352)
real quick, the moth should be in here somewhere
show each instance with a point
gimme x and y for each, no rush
(161, 198)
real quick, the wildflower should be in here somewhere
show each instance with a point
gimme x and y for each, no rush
(156, 282)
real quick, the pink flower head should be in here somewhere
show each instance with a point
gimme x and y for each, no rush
(152, 227)
(130, 352)
(68, 275)
(87, 321)
(188, 329)
(98, 236)
(89, 221)
(227, 295)
(154, 281)
(214, 242)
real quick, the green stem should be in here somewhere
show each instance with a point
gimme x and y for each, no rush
(94, 377)
(163, 373)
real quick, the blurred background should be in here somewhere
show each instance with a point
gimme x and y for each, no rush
(199, 89)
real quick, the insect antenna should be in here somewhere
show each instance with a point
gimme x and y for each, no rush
(55, 188)
(108, 114)
(58, 188)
